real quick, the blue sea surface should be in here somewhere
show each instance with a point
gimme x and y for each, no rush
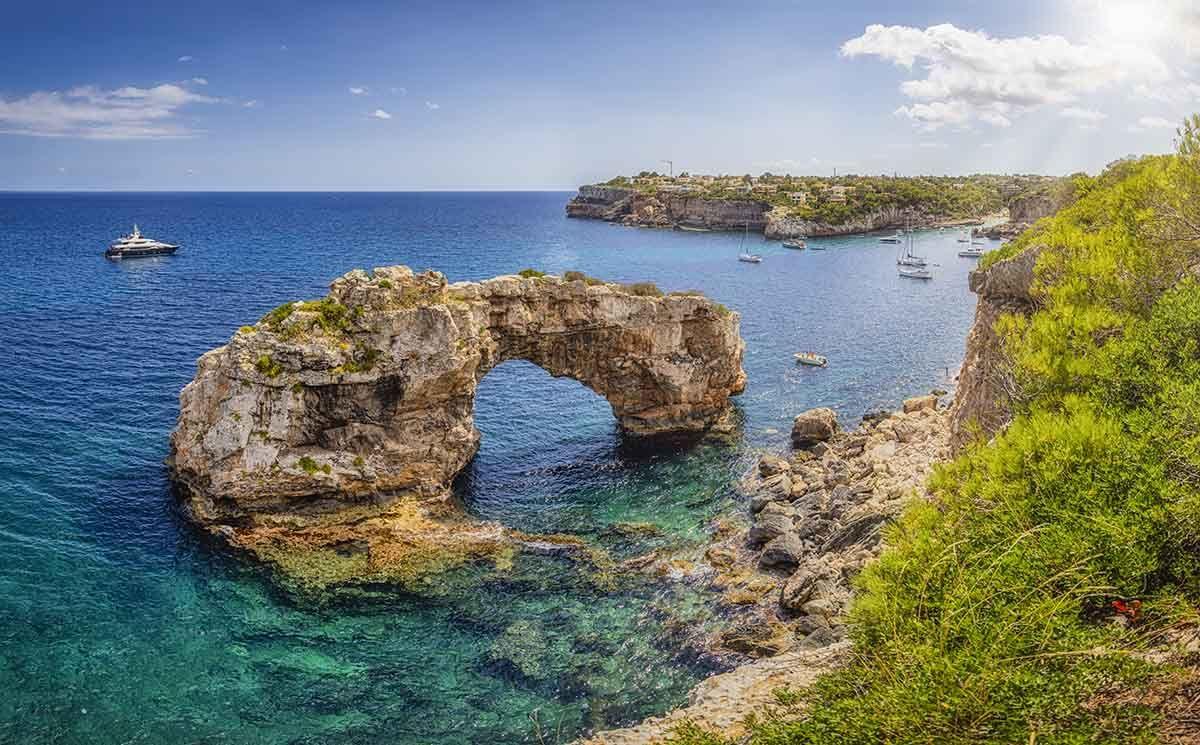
(120, 624)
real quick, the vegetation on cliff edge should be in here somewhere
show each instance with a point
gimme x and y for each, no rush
(1016, 605)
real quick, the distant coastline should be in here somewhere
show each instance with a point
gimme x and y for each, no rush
(783, 207)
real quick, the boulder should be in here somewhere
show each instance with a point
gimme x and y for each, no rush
(783, 550)
(798, 589)
(768, 525)
(780, 484)
(920, 403)
(771, 465)
(813, 426)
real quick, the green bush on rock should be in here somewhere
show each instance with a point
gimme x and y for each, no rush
(990, 615)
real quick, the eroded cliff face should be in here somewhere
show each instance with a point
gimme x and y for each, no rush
(665, 210)
(781, 225)
(630, 207)
(338, 425)
(982, 401)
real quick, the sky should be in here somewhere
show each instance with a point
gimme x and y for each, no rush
(538, 95)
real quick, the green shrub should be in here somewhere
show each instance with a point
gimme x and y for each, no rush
(308, 465)
(986, 617)
(530, 273)
(267, 366)
(644, 289)
(275, 318)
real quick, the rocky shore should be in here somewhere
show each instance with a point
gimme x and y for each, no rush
(815, 517)
(663, 210)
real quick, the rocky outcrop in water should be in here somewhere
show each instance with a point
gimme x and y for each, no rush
(981, 401)
(337, 425)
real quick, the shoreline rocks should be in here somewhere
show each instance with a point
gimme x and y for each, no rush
(816, 519)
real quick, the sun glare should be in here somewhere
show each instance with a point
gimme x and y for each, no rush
(1132, 22)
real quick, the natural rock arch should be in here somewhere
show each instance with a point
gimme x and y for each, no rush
(326, 406)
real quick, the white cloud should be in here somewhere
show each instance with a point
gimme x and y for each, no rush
(1082, 114)
(92, 113)
(381, 114)
(251, 104)
(200, 81)
(1151, 122)
(358, 91)
(432, 106)
(186, 58)
(967, 75)
(931, 116)
(933, 145)
(283, 47)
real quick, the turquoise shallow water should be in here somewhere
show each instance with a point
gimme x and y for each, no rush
(118, 624)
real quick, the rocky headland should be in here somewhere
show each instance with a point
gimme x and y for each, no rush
(631, 207)
(324, 438)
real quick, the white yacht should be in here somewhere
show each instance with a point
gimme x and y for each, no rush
(811, 358)
(136, 245)
(796, 243)
(915, 272)
(974, 252)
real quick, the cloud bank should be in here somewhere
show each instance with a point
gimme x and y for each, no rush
(967, 76)
(89, 112)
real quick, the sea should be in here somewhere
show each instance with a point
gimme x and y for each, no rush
(119, 623)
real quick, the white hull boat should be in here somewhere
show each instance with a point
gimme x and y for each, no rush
(811, 359)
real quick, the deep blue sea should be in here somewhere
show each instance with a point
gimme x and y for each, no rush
(118, 624)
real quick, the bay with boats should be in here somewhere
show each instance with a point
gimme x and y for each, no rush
(104, 568)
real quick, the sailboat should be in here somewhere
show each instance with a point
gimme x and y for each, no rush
(908, 258)
(744, 255)
(910, 265)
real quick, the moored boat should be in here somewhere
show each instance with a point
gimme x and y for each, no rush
(750, 258)
(915, 272)
(135, 245)
(796, 243)
(811, 358)
(896, 238)
(971, 253)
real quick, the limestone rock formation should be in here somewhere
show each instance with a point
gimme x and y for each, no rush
(982, 398)
(352, 414)
(665, 210)
(813, 426)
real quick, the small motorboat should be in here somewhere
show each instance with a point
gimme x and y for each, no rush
(898, 237)
(811, 358)
(971, 253)
(915, 272)
(750, 258)
(796, 243)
